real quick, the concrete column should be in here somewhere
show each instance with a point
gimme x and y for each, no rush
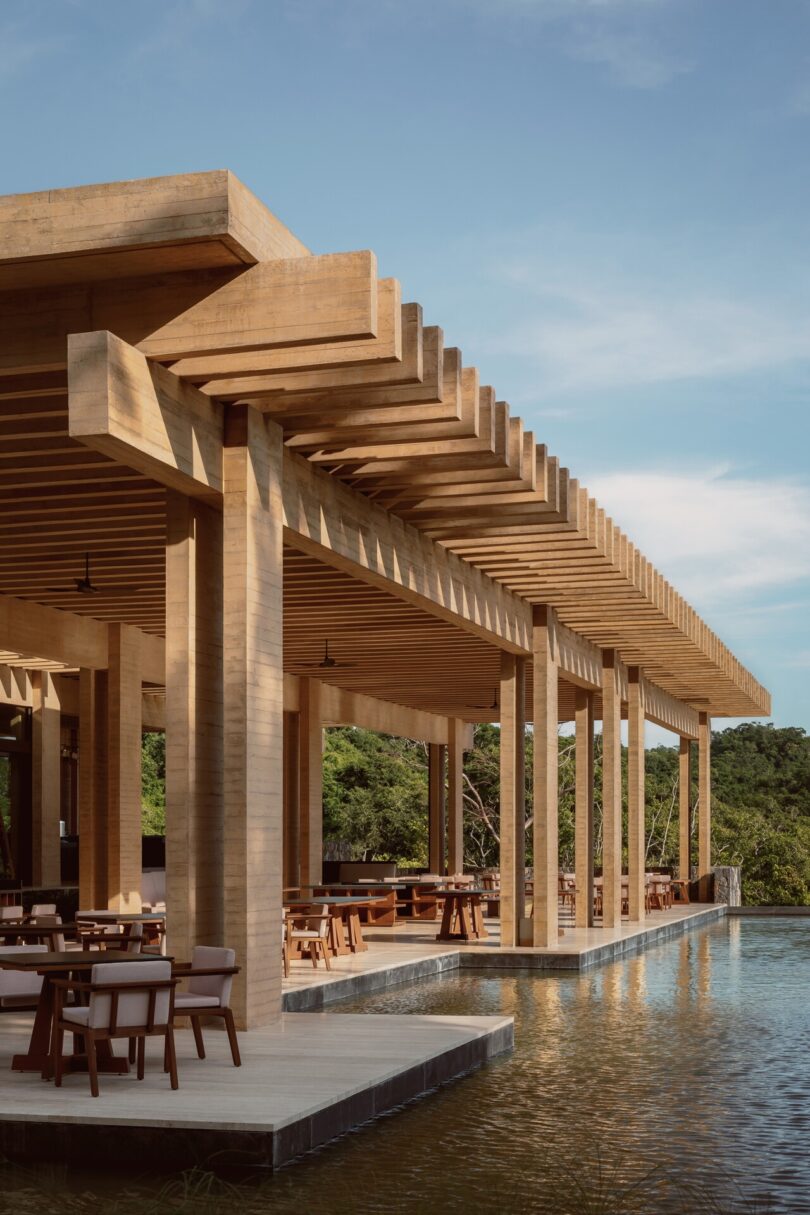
(436, 808)
(513, 798)
(124, 716)
(685, 809)
(310, 782)
(92, 789)
(455, 795)
(45, 782)
(611, 791)
(194, 724)
(636, 829)
(583, 823)
(704, 803)
(254, 709)
(292, 801)
(546, 780)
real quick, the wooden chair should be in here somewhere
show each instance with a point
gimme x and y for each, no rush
(134, 1001)
(209, 994)
(58, 938)
(39, 909)
(20, 988)
(315, 939)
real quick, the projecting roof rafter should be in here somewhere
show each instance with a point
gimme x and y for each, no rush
(195, 273)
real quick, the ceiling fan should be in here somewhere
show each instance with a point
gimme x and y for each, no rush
(86, 586)
(327, 663)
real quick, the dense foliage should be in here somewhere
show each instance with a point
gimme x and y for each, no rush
(376, 788)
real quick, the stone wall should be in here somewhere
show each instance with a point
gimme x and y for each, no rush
(727, 885)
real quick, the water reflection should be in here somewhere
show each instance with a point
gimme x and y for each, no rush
(672, 1081)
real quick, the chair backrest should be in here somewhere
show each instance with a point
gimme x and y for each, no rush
(51, 921)
(43, 909)
(207, 957)
(11, 913)
(21, 982)
(134, 937)
(133, 1007)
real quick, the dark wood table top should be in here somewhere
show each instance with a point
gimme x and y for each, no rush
(457, 890)
(67, 960)
(334, 900)
(121, 917)
(371, 887)
(33, 930)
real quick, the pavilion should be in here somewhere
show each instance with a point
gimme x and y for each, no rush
(261, 451)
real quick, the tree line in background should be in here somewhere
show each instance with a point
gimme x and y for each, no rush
(375, 790)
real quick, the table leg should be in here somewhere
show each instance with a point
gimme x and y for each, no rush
(445, 933)
(478, 918)
(356, 942)
(37, 1058)
(465, 923)
(337, 936)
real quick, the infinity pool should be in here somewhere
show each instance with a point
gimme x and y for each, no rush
(675, 1081)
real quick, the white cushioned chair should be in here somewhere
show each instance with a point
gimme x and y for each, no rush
(209, 994)
(43, 909)
(125, 1001)
(20, 988)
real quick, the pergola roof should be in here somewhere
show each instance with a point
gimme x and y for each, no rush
(196, 274)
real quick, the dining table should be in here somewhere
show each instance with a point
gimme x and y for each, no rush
(382, 913)
(462, 918)
(58, 964)
(28, 933)
(345, 934)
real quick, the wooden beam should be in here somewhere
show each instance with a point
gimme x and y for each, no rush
(341, 707)
(132, 228)
(138, 413)
(545, 779)
(75, 641)
(340, 527)
(294, 301)
(667, 711)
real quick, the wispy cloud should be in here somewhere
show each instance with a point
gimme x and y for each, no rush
(718, 537)
(605, 312)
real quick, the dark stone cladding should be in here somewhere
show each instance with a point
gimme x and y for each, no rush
(174, 1148)
(313, 999)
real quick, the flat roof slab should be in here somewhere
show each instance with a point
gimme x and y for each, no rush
(302, 1082)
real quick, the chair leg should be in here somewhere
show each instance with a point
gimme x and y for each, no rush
(327, 952)
(92, 1065)
(172, 1056)
(141, 1056)
(198, 1037)
(131, 1055)
(313, 953)
(58, 1043)
(231, 1028)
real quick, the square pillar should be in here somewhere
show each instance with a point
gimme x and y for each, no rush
(436, 808)
(253, 709)
(685, 809)
(310, 782)
(292, 802)
(611, 791)
(513, 798)
(636, 796)
(46, 867)
(194, 722)
(124, 718)
(92, 789)
(583, 809)
(704, 803)
(455, 795)
(546, 781)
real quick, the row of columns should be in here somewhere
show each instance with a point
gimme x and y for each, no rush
(542, 929)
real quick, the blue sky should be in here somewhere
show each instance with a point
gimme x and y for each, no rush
(603, 202)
